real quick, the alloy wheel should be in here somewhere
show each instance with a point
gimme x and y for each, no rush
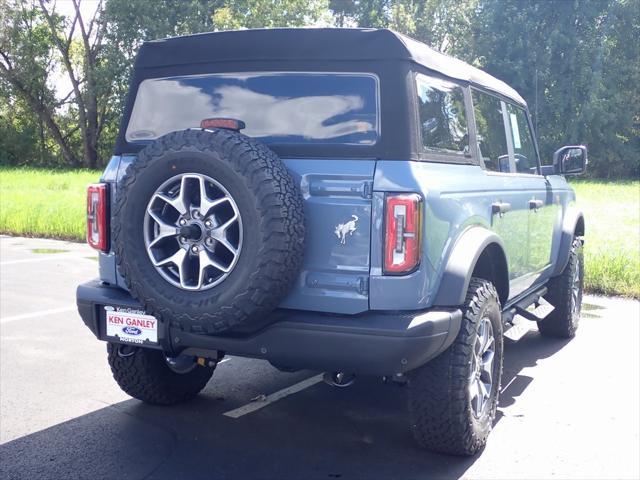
(481, 376)
(193, 231)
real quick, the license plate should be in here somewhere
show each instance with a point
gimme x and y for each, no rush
(130, 326)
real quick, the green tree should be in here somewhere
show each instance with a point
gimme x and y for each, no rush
(576, 63)
(35, 40)
(441, 24)
(276, 13)
(129, 23)
(26, 62)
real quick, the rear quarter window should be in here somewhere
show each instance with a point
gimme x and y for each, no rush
(443, 122)
(279, 108)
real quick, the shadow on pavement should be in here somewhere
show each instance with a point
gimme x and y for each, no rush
(518, 356)
(321, 432)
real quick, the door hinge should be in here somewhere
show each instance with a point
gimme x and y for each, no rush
(363, 285)
(367, 189)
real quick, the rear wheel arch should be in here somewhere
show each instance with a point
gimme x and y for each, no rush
(477, 252)
(492, 266)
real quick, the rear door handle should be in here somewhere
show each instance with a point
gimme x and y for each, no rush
(535, 204)
(500, 208)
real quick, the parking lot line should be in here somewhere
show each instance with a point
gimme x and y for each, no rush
(508, 384)
(63, 256)
(24, 316)
(274, 397)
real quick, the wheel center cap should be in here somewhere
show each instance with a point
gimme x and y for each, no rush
(192, 231)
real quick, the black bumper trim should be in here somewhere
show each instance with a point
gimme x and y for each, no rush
(377, 343)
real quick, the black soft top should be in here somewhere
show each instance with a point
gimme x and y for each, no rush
(302, 44)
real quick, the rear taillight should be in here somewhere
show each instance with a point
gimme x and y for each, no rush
(97, 217)
(403, 220)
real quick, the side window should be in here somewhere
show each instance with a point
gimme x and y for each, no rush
(443, 122)
(492, 138)
(523, 148)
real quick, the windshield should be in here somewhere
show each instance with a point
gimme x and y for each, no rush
(279, 108)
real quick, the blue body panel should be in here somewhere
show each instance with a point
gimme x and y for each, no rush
(334, 276)
(346, 278)
(456, 198)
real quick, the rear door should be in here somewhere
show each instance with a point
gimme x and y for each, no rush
(337, 206)
(507, 192)
(543, 207)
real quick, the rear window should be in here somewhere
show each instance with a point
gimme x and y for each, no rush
(284, 108)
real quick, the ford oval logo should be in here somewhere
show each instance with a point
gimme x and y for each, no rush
(131, 330)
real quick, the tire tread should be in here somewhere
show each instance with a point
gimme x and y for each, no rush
(438, 405)
(282, 230)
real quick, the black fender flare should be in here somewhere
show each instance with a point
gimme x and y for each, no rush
(572, 225)
(461, 263)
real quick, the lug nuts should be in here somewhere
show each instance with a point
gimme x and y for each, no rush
(209, 241)
(208, 224)
(183, 239)
(194, 249)
(182, 222)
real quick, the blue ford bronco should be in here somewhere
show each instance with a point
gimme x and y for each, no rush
(342, 200)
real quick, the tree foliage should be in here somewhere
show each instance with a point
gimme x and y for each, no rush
(576, 62)
(577, 65)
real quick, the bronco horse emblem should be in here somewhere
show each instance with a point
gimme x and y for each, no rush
(347, 228)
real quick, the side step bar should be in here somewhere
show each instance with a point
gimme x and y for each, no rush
(523, 310)
(541, 310)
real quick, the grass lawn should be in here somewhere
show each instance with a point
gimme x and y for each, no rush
(45, 203)
(612, 235)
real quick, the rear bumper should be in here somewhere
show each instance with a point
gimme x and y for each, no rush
(373, 343)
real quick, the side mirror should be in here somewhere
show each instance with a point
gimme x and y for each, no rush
(571, 160)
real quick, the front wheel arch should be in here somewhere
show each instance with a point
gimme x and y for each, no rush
(573, 226)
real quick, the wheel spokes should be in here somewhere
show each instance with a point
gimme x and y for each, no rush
(488, 344)
(220, 231)
(177, 259)
(486, 367)
(182, 208)
(483, 395)
(181, 201)
(481, 374)
(206, 261)
(165, 230)
(226, 244)
(206, 204)
(477, 400)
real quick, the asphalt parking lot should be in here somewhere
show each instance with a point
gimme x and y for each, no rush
(567, 410)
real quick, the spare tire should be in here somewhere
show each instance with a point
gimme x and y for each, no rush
(208, 230)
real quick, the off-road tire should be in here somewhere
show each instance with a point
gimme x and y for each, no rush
(144, 374)
(563, 321)
(439, 400)
(273, 229)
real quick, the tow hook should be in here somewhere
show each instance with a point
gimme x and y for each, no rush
(339, 379)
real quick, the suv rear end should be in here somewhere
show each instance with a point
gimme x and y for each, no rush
(318, 199)
(324, 119)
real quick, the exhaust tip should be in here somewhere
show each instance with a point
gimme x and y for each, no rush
(339, 379)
